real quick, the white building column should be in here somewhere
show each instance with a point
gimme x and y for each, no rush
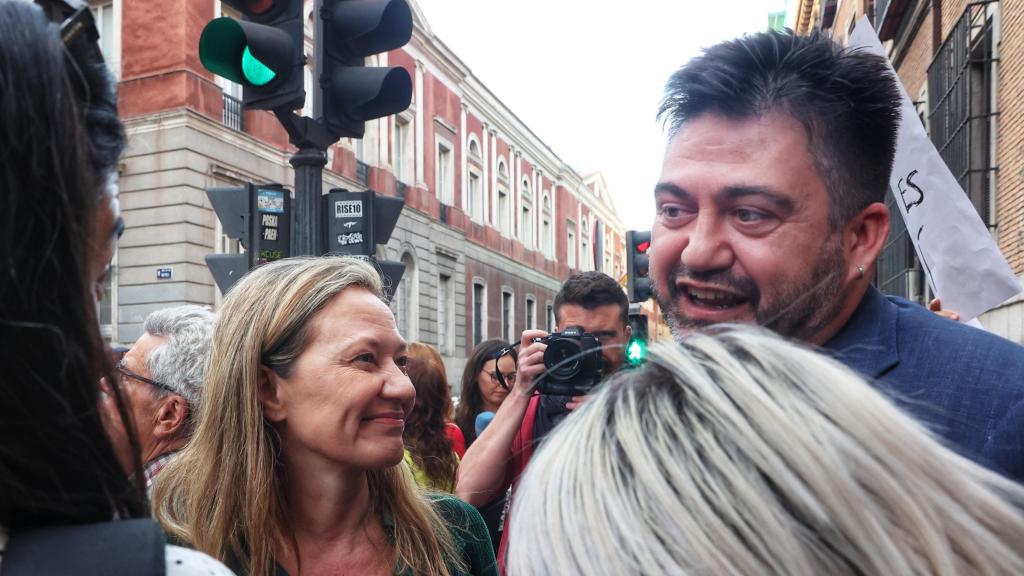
(420, 152)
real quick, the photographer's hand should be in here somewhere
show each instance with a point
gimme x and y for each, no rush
(484, 474)
(531, 362)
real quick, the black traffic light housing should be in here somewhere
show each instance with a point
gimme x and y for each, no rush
(638, 284)
(264, 52)
(260, 217)
(349, 93)
(356, 222)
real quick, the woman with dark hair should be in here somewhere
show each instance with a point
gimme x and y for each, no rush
(482, 390)
(429, 450)
(60, 481)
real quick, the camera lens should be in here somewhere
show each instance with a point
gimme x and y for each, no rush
(563, 359)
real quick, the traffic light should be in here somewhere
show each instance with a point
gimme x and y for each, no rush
(638, 285)
(356, 222)
(349, 93)
(259, 216)
(636, 349)
(263, 52)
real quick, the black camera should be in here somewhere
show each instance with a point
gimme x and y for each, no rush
(573, 361)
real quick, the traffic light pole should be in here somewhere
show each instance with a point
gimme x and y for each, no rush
(312, 140)
(309, 167)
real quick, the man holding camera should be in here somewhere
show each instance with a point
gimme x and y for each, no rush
(592, 312)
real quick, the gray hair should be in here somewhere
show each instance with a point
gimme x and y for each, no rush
(739, 453)
(180, 361)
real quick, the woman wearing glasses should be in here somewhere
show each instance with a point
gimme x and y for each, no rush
(296, 462)
(60, 142)
(482, 386)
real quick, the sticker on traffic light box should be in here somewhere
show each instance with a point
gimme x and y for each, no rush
(348, 209)
(270, 201)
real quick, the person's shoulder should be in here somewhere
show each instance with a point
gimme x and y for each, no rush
(181, 561)
(451, 508)
(923, 325)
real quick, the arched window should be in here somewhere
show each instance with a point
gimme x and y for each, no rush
(475, 197)
(526, 223)
(504, 222)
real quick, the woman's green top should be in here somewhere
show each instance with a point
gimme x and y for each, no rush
(468, 532)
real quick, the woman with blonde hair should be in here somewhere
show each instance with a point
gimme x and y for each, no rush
(296, 462)
(736, 452)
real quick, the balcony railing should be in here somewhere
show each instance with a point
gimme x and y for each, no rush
(233, 117)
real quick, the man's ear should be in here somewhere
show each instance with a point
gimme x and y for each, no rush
(270, 395)
(171, 418)
(628, 332)
(863, 240)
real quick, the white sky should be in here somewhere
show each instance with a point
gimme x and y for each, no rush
(587, 76)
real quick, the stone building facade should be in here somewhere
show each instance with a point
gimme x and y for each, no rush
(494, 220)
(961, 63)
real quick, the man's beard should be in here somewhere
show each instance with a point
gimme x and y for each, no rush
(798, 311)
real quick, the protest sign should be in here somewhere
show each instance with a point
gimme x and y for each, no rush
(961, 260)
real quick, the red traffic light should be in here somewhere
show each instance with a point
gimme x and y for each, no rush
(643, 246)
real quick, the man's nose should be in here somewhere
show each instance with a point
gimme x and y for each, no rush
(708, 246)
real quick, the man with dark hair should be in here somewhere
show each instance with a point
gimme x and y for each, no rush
(770, 210)
(592, 301)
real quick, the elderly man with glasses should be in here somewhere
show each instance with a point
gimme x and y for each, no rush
(161, 377)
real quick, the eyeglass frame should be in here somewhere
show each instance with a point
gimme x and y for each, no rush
(121, 369)
(507, 350)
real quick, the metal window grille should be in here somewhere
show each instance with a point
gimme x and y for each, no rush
(233, 117)
(960, 78)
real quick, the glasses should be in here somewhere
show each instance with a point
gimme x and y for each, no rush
(499, 377)
(126, 373)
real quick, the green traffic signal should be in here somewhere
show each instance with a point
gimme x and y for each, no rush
(247, 53)
(255, 71)
(636, 352)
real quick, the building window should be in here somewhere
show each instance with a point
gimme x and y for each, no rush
(504, 212)
(531, 313)
(476, 202)
(445, 178)
(962, 117)
(475, 196)
(549, 317)
(545, 226)
(507, 319)
(961, 122)
(570, 247)
(104, 12)
(444, 312)
(408, 300)
(402, 149)
(584, 246)
(479, 312)
(527, 227)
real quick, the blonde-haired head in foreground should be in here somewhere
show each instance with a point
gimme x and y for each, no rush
(224, 493)
(736, 452)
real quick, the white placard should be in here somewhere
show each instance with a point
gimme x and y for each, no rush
(963, 264)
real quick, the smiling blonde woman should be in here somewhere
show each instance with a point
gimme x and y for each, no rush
(739, 453)
(296, 462)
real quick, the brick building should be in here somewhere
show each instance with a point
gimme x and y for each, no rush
(494, 219)
(961, 64)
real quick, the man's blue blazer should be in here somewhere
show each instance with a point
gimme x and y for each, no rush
(966, 385)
